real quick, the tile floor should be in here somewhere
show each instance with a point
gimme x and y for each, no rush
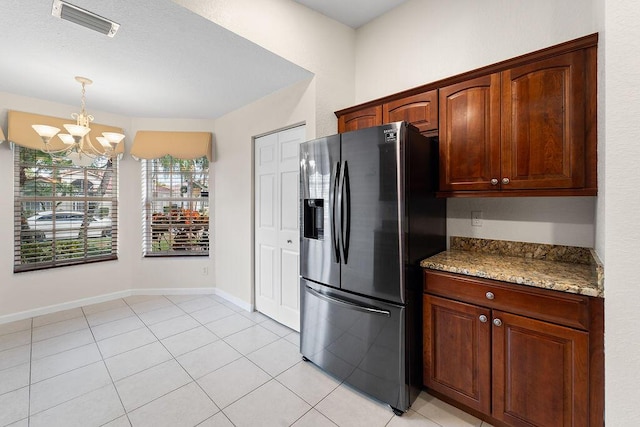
(193, 360)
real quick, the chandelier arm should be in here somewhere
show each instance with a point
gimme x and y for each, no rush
(79, 144)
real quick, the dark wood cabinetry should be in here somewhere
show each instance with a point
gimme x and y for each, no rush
(420, 110)
(470, 134)
(508, 354)
(360, 119)
(457, 351)
(521, 127)
(540, 372)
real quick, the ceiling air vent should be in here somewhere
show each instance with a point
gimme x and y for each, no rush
(83, 17)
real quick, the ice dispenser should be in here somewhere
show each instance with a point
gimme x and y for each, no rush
(314, 218)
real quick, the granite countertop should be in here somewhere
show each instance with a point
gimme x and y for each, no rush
(561, 268)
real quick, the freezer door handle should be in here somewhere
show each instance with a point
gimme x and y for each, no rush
(334, 202)
(371, 310)
(344, 200)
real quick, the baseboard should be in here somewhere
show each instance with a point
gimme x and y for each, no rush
(63, 306)
(173, 291)
(234, 300)
(122, 294)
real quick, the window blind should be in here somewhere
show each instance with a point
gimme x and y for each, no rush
(63, 214)
(175, 207)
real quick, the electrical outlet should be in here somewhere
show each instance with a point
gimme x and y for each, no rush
(476, 218)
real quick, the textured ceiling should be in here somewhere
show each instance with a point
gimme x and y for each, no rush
(165, 61)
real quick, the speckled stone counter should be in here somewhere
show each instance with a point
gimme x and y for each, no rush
(561, 268)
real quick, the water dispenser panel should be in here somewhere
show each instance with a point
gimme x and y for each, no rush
(313, 219)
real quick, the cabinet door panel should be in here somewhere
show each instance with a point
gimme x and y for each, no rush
(365, 118)
(420, 110)
(457, 351)
(543, 108)
(540, 374)
(470, 134)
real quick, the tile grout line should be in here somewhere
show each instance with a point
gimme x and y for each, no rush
(178, 363)
(113, 384)
(29, 385)
(69, 400)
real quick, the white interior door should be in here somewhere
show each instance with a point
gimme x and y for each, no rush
(277, 240)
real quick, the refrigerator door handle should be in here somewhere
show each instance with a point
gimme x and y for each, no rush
(345, 211)
(358, 307)
(334, 201)
(347, 227)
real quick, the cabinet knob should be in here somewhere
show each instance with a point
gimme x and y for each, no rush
(497, 322)
(289, 241)
(483, 318)
(505, 180)
(490, 295)
(494, 181)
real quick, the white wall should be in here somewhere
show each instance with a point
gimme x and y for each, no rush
(422, 41)
(426, 40)
(620, 105)
(311, 40)
(308, 39)
(553, 220)
(234, 208)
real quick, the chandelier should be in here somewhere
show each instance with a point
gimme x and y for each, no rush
(78, 148)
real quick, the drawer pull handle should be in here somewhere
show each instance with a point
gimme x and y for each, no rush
(497, 322)
(490, 295)
(483, 318)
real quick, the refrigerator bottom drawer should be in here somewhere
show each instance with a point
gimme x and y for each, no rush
(358, 340)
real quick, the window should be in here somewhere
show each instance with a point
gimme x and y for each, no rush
(176, 206)
(63, 214)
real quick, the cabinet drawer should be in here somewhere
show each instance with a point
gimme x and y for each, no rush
(553, 306)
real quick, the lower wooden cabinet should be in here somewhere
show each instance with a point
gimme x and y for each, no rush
(507, 367)
(457, 351)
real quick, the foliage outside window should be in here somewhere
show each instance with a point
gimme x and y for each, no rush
(176, 206)
(63, 214)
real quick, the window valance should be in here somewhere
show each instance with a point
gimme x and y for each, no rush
(21, 133)
(150, 144)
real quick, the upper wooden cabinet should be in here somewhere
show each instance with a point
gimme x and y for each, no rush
(420, 110)
(520, 129)
(470, 134)
(526, 126)
(360, 119)
(543, 132)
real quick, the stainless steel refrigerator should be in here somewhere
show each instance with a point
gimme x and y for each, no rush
(368, 216)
